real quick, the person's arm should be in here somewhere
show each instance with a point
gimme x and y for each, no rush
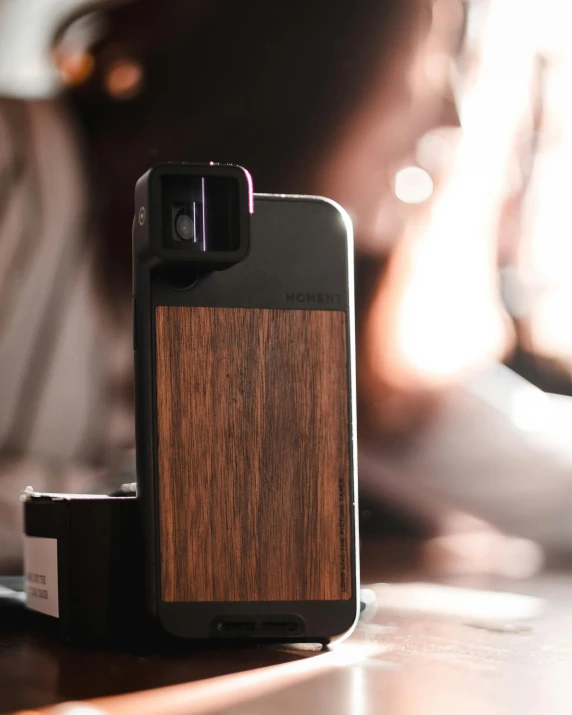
(60, 363)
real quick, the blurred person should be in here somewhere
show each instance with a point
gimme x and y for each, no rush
(332, 101)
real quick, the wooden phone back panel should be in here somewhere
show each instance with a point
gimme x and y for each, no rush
(253, 464)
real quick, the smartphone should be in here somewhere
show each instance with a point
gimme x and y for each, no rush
(245, 407)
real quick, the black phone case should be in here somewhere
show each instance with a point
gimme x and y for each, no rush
(245, 409)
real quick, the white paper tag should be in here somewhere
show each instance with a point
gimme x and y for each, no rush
(41, 574)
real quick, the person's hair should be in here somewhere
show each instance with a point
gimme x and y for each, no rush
(262, 84)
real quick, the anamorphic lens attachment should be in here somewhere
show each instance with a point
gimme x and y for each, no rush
(197, 217)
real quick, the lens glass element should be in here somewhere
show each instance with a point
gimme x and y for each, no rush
(200, 213)
(185, 227)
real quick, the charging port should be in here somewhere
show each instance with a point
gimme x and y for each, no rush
(279, 627)
(276, 626)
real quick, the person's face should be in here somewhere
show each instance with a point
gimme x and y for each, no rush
(410, 96)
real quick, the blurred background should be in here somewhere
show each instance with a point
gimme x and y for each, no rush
(444, 127)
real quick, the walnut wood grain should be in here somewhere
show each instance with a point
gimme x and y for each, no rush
(253, 466)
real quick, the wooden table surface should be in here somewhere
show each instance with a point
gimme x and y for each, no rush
(474, 648)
